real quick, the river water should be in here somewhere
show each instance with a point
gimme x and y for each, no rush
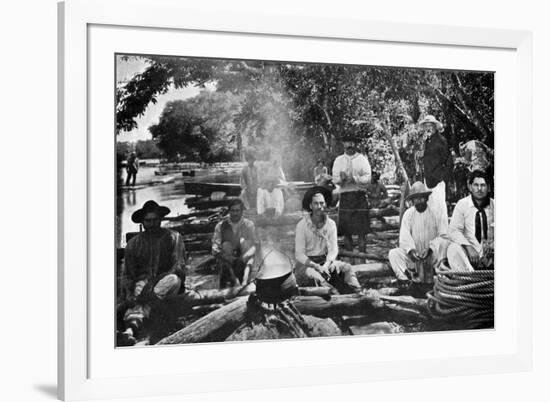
(171, 195)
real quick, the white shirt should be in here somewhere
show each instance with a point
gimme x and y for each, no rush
(311, 241)
(266, 200)
(462, 229)
(356, 166)
(419, 229)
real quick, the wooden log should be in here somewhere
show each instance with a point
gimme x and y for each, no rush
(206, 203)
(205, 189)
(372, 270)
(228, 317)
(371, 301)
(206, 212)
(368, 256)
(223, 320)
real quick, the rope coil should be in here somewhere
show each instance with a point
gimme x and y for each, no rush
(464, 300)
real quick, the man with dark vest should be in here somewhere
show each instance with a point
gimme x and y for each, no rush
(154, 267)
(234, 246)
(352, 172)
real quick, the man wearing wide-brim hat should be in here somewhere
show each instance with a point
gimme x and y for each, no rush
(437, 164)
(421, 246)
(316, 247)
(351, 171)
(154, 266)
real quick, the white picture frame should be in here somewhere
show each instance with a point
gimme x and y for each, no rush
(76, 378)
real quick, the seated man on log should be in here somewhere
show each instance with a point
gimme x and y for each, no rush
(234, 246)
(154, 266)
(271, 202)
(421, 246)
(472, 228)
(316, 247)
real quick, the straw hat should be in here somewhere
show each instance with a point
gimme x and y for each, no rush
(431, 119)
(418, 189)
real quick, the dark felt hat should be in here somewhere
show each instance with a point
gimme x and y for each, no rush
(149, 206)
(306, 201)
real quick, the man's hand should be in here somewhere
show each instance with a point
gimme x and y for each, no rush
(473, 256)
(343, 176)
(413, 255)
(424, 254)
(322, 269)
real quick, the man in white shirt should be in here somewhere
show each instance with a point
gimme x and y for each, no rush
(420, 244)
(271, 201)
(351, 172)
(316, 248)
(472, 228)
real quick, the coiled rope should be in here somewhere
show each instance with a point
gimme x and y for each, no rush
(464, 300)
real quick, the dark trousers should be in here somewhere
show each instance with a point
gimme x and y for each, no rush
(131, 175)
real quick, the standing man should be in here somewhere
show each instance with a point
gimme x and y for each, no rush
(316, 247)
(154, 264)
(420, 244)
(436, 164)
(249, 181)
(472, 228)
(234, 246)
(352, 172)
(132, 167)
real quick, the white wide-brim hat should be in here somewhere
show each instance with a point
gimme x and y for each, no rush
(431, 119)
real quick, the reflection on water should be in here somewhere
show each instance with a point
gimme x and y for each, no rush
(171, 194)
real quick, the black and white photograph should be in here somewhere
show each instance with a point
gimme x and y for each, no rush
(271, 199)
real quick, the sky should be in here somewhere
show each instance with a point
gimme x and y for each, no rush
(125, 70)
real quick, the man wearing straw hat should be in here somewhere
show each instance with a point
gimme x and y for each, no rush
(436, 161)
(420, 244)
(154, 264)
(316, 247)
(472, 227)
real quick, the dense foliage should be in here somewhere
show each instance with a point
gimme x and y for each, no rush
(302, 111)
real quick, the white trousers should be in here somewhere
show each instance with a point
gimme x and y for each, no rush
(400, 261)
(458, 259)
(436, 203)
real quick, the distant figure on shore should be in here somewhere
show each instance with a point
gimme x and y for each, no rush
(249, 182)
(271, 201)
(377, 193)
(132, 167)
(320, 173)
(154, 267)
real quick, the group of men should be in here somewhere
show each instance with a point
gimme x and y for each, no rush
(155, 258)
